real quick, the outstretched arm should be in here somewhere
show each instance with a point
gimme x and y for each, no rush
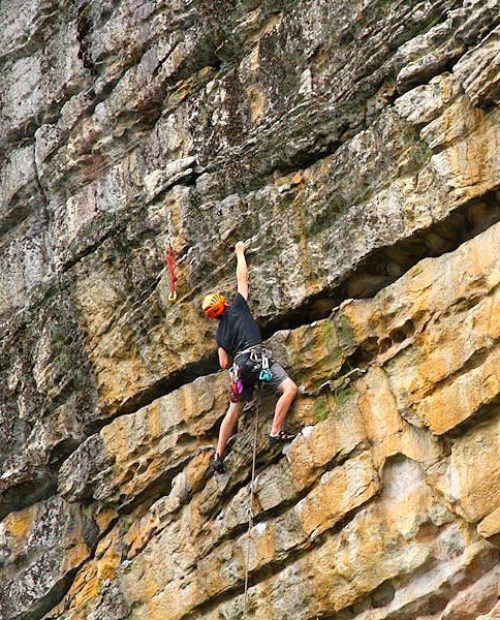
(241, 269)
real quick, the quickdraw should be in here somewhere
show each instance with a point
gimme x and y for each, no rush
(265, 372)
(169, 260)
(261, 358)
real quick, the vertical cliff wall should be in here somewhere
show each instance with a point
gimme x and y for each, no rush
(356, 146)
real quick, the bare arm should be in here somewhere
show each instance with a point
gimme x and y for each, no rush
(241, 269)
(224, 360)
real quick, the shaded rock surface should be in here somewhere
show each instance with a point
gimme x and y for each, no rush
(355, 146)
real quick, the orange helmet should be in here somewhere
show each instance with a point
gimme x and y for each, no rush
(213, 305)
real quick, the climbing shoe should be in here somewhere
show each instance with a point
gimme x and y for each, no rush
(218, 464)
(281, 437)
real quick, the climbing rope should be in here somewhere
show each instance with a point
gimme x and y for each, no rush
(250, 507)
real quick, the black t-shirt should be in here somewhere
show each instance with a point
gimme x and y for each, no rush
(237, 329)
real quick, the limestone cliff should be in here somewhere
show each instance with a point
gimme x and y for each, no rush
(356, 147)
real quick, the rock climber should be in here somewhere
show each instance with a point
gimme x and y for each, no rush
(239, 339)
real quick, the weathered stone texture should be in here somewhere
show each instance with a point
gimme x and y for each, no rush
(355, 146)
(41, 548)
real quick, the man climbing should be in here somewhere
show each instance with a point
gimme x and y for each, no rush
(238, 338)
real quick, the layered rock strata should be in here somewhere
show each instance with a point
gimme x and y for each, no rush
(355, 147)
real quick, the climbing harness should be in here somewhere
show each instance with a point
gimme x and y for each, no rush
(250, 506)
(254, 365)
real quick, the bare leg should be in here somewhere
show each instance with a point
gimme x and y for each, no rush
(288, 389)
(227, 426)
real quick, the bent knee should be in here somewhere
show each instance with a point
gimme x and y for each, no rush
(290, 388)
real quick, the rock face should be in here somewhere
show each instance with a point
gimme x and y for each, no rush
(356, 147)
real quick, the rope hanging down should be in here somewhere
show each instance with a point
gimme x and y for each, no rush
(250, 507)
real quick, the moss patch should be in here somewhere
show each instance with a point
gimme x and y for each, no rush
(328, 334)
(325, 218)
(343, 394)
(321, 410)
(344, 330)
